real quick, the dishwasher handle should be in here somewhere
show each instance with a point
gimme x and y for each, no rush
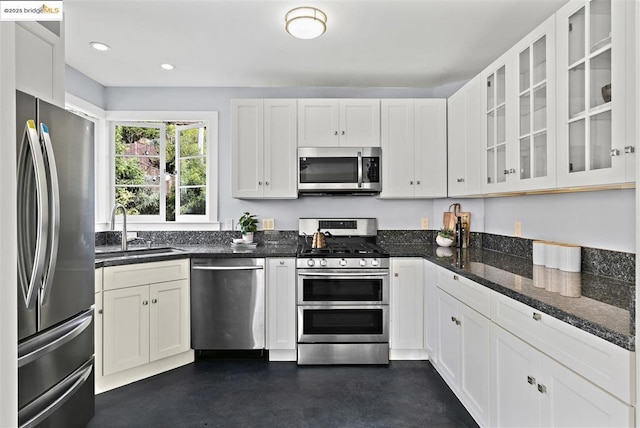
(227, 268)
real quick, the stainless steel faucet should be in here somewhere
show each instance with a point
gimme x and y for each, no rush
(124, 223)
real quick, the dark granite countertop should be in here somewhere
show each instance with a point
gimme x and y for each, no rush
(603, 309)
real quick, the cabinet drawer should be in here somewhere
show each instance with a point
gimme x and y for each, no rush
(468, 292)
(603, 363)
(145, 273)
(98, 281)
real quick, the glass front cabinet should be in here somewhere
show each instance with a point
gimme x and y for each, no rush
(593, 69)
(519, 122)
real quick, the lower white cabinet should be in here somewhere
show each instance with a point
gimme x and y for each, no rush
(406, 302)
(431, 312)
(144, 322)
(463, 353)
(281, 309)
(531, 389)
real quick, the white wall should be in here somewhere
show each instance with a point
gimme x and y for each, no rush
(8, 265)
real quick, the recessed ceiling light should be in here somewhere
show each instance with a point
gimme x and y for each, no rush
(167, 66)
(99, 46)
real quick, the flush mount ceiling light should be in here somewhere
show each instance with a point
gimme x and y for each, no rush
(99, 46)
(167, 66)
(306, 22)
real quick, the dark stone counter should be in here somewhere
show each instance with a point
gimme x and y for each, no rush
(605, 308)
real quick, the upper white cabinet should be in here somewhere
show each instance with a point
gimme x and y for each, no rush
(263, 148)
(414, 146)
(40, 60)
(595, 74)
(338, 122)
(465, 115)
(535, 101)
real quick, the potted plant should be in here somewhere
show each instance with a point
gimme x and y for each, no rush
(445, 237)
(248, 225)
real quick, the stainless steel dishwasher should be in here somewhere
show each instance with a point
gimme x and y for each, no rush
(227, 304)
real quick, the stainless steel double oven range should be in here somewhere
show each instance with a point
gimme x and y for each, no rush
(342, 293)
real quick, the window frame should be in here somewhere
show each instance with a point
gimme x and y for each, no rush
(210, 120)
(188, 218)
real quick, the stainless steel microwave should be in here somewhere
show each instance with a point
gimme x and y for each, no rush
(351, 170)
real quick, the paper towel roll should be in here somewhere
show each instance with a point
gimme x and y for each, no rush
(551, 257)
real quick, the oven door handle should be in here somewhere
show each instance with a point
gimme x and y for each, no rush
(343, 274)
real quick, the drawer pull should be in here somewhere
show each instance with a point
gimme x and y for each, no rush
(154, 300)
(281, 262)
(537, 316)
(145, 303)
(455, 320)
(531, 380)
(542, 389)
(456, 277)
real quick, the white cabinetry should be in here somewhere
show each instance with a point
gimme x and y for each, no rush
(594, 147)
(97, 322)
(40, 60)
(145, 321)
(406, 301)
(338, 122)
(463, 345)
(431, 312)
(281, 309)
(465, 115)
(263, 148)
(414, 143)
(531, 389)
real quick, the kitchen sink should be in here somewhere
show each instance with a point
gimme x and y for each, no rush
(138, 252)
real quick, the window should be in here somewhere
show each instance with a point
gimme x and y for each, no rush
(160, 170)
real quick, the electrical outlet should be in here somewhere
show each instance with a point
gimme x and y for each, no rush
(268, 224)
(518, 229)
(131, 236)
(424, 223)
(227, 224)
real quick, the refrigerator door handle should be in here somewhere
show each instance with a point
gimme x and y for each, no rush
(30, 269)
(35, 348)
(54, 213)
(40, 409)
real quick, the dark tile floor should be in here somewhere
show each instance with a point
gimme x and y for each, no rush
(243, 393)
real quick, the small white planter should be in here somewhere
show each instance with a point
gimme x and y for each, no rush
(248, 237)
(443, 242)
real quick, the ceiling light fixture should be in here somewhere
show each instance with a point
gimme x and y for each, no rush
(306, 22)
(167, 66)
(99, 46)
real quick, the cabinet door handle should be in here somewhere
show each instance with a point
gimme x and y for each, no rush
(335, 133)
(531, 380)
(537, 316)
(615, 152)
(456, 277)
(145, 303)
(506, 172)
(342, 133)
(542, 389)
(455, 320)
(281, 262)
(259, 183)
(100, 311)
(266, 183)
(154, 300)
(460, 180)
(411, 182)
(629, 149)
(418, 182)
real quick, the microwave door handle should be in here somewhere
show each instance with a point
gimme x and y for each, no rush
(359, 169)
(31, 275)
(54, 213)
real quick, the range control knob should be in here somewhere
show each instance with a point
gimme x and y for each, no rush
(311, 262)
(363, 262)
(323, 262)
(375, 262)
(343, 262)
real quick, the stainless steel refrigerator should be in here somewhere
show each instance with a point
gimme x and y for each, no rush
(55, 265)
